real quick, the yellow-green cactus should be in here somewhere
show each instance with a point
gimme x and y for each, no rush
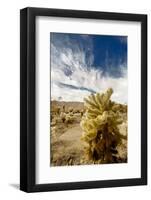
(100, 126)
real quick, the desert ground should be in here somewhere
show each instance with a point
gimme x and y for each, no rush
(66, 145)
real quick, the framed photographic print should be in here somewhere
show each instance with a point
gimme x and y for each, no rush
(83, 99)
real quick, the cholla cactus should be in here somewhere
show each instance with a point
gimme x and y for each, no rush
(67, 117)
(63, 116)
(100, 125)
(70, 109)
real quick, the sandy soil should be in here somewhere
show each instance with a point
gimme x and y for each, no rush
(68, 147)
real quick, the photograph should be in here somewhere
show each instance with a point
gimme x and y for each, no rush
(83, 99)
(88, 99)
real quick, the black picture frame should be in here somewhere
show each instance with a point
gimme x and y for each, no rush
(28, 99)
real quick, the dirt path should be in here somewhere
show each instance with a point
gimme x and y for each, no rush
(69, 148)
(73, 137)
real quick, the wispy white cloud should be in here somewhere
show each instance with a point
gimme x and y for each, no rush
(73, 77)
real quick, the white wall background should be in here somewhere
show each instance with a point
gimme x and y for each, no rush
(9, 98)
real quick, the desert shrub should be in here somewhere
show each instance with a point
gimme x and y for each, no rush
(70, 109)
(82, 112)
(75, 110)
(63, 116)
(63, 108)
(100, 127)
(55, 110)
(67, 117)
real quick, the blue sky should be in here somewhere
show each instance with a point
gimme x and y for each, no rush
(110, 53)
(83, 64)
